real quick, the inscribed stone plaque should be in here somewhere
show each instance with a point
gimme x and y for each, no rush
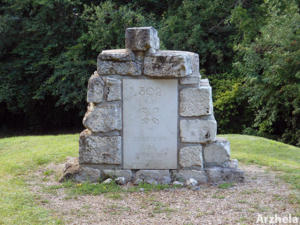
(150, 124)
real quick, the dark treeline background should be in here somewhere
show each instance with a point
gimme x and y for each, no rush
(249, 49)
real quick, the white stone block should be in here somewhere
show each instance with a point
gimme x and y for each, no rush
(99, 150)
(191, 156)
(103, 118)
(198, 131)
(150, 124)
(217, 152)
(196, 101)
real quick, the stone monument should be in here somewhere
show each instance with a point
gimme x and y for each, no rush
(150, 118)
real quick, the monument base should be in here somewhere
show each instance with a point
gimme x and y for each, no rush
(210, 175)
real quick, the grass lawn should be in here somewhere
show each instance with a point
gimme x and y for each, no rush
(21, 155)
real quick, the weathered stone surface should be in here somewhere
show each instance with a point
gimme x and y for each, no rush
(88, 174)
(112, 89)
(217, 152)
(120, 61)
(233, 163)
(99, 150)
(150, 124)
(141, 39)
(204, 82)
(183, 175)
(103, 118)
(95, 89)
(193, 79)
(154, 176)
(121, 68)
(191, 156)
(219, 174)
(71, 168)
(120, 180)
(118, 55)
(196, 101)
(198, 131)
(171, 64)
(127, 174)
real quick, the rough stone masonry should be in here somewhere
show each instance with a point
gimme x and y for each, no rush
(150, 118)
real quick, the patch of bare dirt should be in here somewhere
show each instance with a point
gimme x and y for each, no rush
(261, 193)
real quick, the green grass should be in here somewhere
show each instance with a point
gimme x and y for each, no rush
(272, 154)
(21, 155)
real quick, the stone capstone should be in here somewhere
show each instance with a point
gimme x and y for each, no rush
(217, 152)
(198, 131)
(103, 118)
(171, 64)
(141, 39)
(184, 175)
(120, 61)
(219, 174)
(99, 150)
(114, 173)
(95, 89)
(112, 89)
(191, 156)
(196, 101)
(153, 176)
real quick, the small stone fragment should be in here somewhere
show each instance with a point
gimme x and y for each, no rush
(178, 183)
(217, 152)
(141, 39)
(113, 173)
(107, 181)
(196, 101)
(71, 168)
(103, 118)
(191, 156)
(198, 131)
(191, 182)
(95, 89)
(120, 180)
(195, 188)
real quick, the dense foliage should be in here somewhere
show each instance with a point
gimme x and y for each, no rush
(248, 49)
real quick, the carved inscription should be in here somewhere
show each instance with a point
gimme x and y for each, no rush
(150, 124)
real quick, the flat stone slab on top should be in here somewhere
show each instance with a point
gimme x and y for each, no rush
(150, 124)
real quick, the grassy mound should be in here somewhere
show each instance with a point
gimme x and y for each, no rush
(21, 155)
